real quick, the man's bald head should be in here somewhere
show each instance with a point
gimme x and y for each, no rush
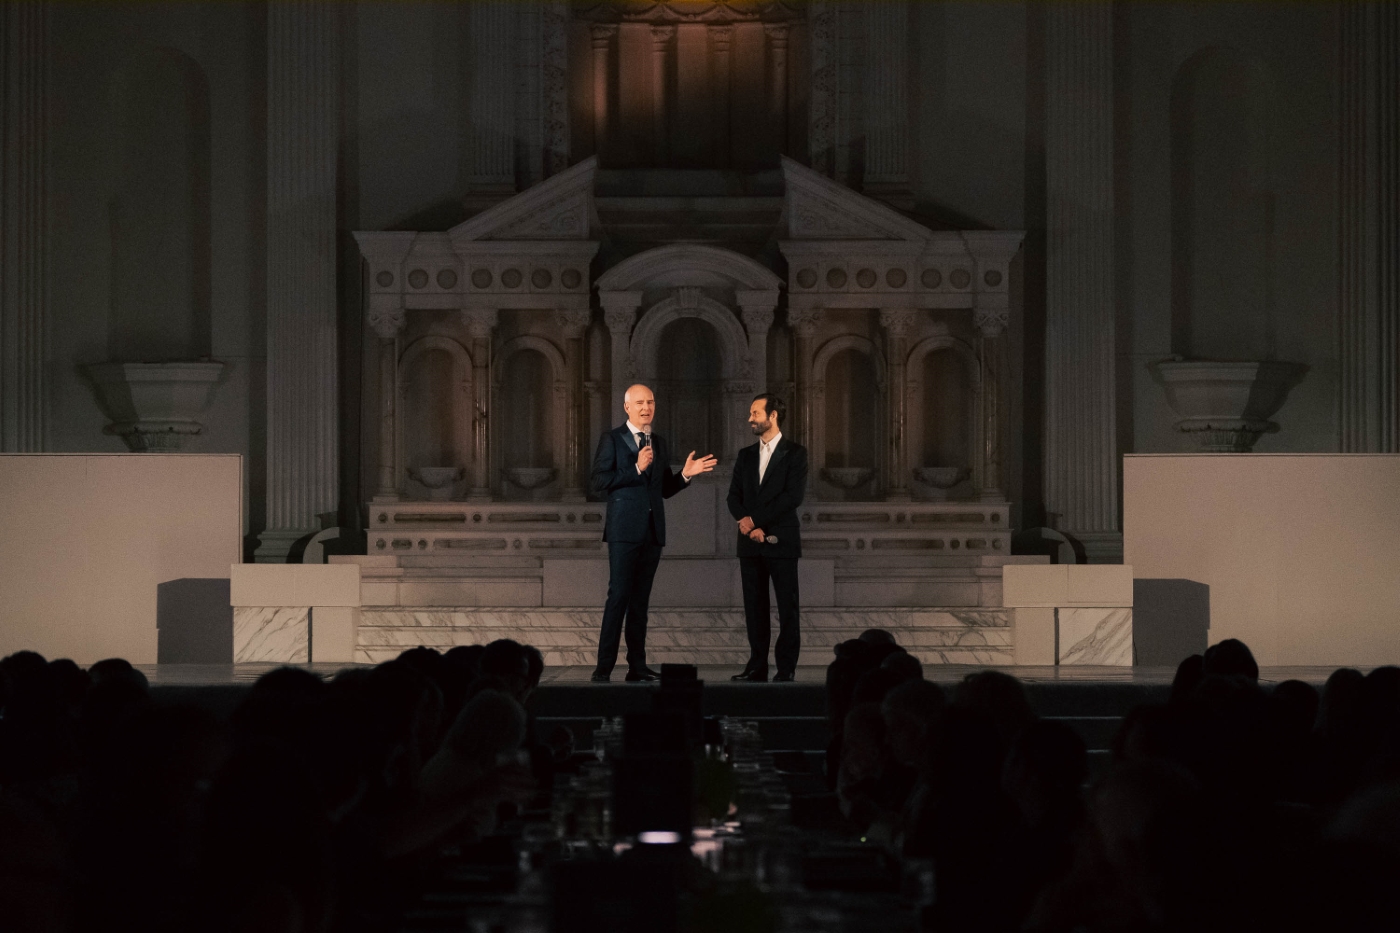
(640, 406)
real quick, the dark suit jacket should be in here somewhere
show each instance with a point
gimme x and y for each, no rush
(634, 499)
(772, 504)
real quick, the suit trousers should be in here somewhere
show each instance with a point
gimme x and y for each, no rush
(631, 569)
(756, 572)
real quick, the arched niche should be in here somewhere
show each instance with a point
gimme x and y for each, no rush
(848, 412)
(1222, 207)
(158, 208)
(689, 361)
(733, 377)
(944, 409)
(529, 414)
(435, 396)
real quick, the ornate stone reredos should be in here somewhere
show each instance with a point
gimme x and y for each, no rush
(671, 12)
(821, 209)
(559, 208)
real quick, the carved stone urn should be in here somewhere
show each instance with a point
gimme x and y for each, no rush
(1226, 405)
(154, 406)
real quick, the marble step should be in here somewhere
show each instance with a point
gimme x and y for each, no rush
(842, 618)
(586, 656)
(661, 637)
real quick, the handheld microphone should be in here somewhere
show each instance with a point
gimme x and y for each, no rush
(771, 539)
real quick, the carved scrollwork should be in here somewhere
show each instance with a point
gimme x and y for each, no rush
(386, 319)
(991, 321)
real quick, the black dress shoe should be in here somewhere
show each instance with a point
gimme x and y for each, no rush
(600, 678)
(753, 677)
(645, 675)
(783, 677)
(655, 674)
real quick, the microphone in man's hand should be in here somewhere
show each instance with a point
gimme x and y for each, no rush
(646, 440)
(771, 539)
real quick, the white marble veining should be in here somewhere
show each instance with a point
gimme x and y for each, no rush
(1096, 636)
(694, 636)
(271, 634)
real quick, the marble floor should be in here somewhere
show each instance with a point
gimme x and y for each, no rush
(215, 674)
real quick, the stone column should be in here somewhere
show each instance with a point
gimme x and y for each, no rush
(620, 314)
(803, 322)
(887, 39)
(756, 307)
(1368, 224)
(23, 296)
(990, 354)
(661, 38)
(897, 325)
(1081, 457)
(386, 318)
(721, 37)
(573, 322)
(777, 100)
(303, 133)
(602, 37)
(480, 323)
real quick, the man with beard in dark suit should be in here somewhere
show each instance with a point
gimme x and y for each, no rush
(632, 469)
(769, 483)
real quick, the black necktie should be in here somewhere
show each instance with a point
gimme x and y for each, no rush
(643, 440)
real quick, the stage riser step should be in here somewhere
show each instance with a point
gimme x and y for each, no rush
(586, 657)
(705, 638)
(858, 619)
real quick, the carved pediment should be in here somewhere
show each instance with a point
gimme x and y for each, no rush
(821, 209)
(559, 208)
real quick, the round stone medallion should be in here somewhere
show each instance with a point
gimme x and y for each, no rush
(836, 278)
(447, 278)
(481, 278)
(541, 278)
(992, 277)
(960, 278)
(384, 279)
(895, 278)
(866, 278)
(570, 278)
(807, 277)
(511, 278)
(931, 278)
(418, 278)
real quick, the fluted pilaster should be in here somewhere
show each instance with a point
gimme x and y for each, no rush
(897, 325)
(1369, 227)
(1081, 472)
(493, 99)
(23, 296)
(803, 322)
(303, 95)
(887, 30)
(620, 314)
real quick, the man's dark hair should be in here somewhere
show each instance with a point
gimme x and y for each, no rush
(772, 404)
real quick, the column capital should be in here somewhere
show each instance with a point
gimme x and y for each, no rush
(897, 322)
(757, 318)
(721, 36)
(386, 315)
(574, 321)
(777, 34)
(601, 34)
(480, 321)
(804, 320)
(661, 36)
(991, 319)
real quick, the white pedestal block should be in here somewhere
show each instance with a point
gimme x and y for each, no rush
(1033, 635)
(271, 634)
(333, 631)
(1071, 613)
(294, 585)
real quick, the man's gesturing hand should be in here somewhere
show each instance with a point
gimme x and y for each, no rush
(692, 466)
(745, 525)
(644, 457)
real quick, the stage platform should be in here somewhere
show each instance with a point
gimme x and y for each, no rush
(791, 717)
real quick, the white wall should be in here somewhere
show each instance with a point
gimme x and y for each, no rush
(88, 538)
(1301, 552)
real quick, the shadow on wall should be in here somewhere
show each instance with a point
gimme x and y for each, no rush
(1171, 621)
(194, 622)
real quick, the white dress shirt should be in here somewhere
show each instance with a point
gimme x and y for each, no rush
(765, 453)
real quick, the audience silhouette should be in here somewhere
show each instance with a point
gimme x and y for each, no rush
(317, 805)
